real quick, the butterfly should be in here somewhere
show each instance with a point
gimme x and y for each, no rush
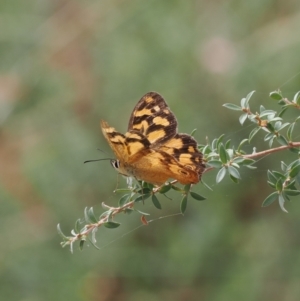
(151, 150)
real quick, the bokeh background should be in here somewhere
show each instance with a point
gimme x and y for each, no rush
(66, 64)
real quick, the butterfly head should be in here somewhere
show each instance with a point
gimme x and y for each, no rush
(115, 164)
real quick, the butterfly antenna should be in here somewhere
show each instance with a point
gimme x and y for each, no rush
(97, 160)
(102, 151)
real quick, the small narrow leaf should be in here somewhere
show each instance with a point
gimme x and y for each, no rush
(296, 98)
(279, 185)
(124, 199)
(156, 202)
(197, 196)
(227, 144)
(215, 163)
(234, 172)
(291, 192)
(253, 133)
(89, 216)
(270, 199)
(232, 106)
(289, 131)
(248, 98)
(243, 142)
(243, 118)
(111, 225)
(81, 243)
(77, 226)
(223, 153)
(283, 166)
(63, 236)
(142, 197)
(220, 139)
(164, 189)
(281, 139)
(294, 171)
(276, 95)
(235, 180)
(281, 203)
(177, 188)
(221, 174)
(183, 204)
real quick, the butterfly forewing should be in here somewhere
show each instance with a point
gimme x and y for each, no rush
(153, 118)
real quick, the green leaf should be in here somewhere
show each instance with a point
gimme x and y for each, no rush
(124, 199)
(278, 175)
(220, 139)
(235, 180)
(183, 204)
(223, 154)
(141, 212)
(281, 139)
(227, 144)
(248, 98)
(77, 226)
(270, 127)
(144, 190)
(81, 243)
(291, 192)
(221, 174)
(89, 215)
(156, 202)
(239, 160)
(282, 126)
(197, 196)
(242, 142)
(215, 163)
(268, 136)
(253, 133)
(187, 187)
(63, 236)
(283, 166)
(232, 106)
(279, 184)
(122, 190)
(289, 131)
(93, 243)
(295, 171)
(294, 150)
(280, 114)
(269, 113)
(296, 98)
(111, 225)
(234, 172)
(281, 203)
(177, 188)
(248, 162)
(271, 184)
(276, 95)
(164, 189)
(243, 118)
(271, 141)
(193, 132)
(143, 197)
(272, 178)
(270, 199)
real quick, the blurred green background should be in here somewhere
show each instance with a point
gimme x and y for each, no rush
(66, 64)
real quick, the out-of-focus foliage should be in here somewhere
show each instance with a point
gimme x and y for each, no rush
(64, 65)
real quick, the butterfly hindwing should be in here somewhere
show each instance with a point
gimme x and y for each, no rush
(184, 149)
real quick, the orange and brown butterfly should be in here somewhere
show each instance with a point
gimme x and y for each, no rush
(152, 150)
